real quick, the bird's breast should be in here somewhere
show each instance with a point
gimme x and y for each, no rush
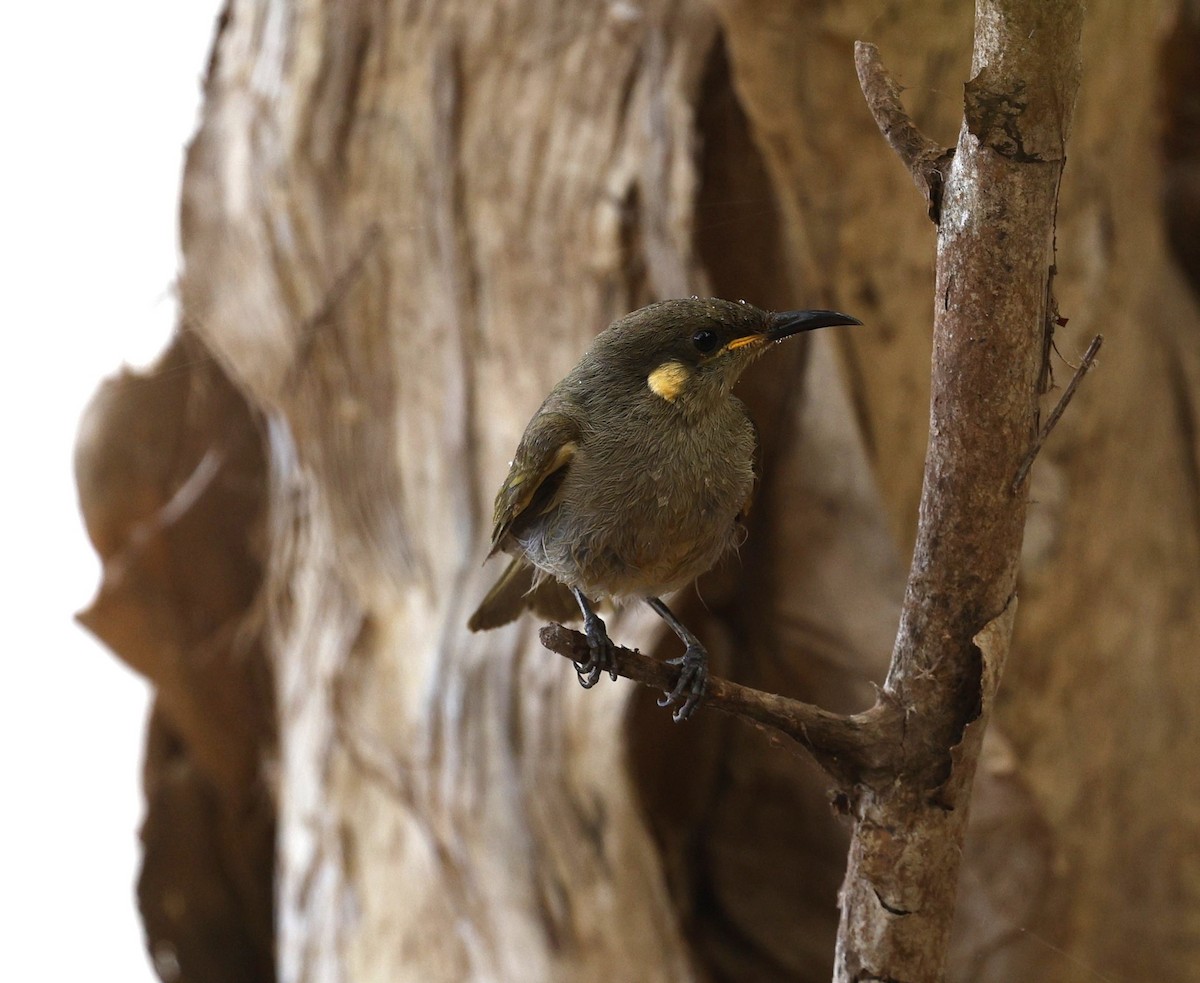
(645, 515)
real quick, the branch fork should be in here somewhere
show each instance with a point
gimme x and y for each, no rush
(851, 748)
(927, 161)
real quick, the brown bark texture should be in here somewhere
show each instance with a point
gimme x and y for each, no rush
(995, 204)
(402, 223)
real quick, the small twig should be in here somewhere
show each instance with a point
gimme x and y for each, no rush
(1053, 320)
(1085, 365)
(847, 746)
(925, 159)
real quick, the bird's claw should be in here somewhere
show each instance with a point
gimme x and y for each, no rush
(691, 685)
(602, 656)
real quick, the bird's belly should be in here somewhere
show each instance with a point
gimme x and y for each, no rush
(650, 534)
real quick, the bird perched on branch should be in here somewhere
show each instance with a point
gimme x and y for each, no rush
(634, 475)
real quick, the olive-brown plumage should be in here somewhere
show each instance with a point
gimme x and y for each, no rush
(631, 479)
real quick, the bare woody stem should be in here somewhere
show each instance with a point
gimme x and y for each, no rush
(1085, 366)
(994, 254)
(849, 747)
(926, 160)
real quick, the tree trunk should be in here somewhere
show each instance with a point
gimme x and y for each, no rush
(402, 223)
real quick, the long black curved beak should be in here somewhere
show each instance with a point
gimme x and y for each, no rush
(785, 323)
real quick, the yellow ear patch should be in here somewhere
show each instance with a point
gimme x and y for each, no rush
(668, 380)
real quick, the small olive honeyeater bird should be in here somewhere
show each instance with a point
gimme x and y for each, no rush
(634, 475)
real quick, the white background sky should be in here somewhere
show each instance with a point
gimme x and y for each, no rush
(97, 101)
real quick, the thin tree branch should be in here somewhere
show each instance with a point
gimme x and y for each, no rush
(1085, 366)
(926, 160)
(849, 747)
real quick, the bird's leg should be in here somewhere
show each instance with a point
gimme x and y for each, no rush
(599, 644)
(693, 674)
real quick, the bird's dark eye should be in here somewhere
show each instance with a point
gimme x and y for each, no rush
(705, 341)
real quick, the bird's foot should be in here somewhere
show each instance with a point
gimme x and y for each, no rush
(691, 685)
(602, 657)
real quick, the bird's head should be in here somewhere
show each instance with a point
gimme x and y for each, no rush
(690, 352)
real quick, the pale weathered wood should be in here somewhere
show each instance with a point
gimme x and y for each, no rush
(480, 189)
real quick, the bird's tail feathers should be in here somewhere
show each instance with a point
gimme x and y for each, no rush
(522, 586)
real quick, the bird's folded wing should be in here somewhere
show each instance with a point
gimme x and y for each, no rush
(551, 441)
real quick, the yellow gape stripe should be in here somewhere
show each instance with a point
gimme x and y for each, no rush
(668, 380)
(752, 339)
